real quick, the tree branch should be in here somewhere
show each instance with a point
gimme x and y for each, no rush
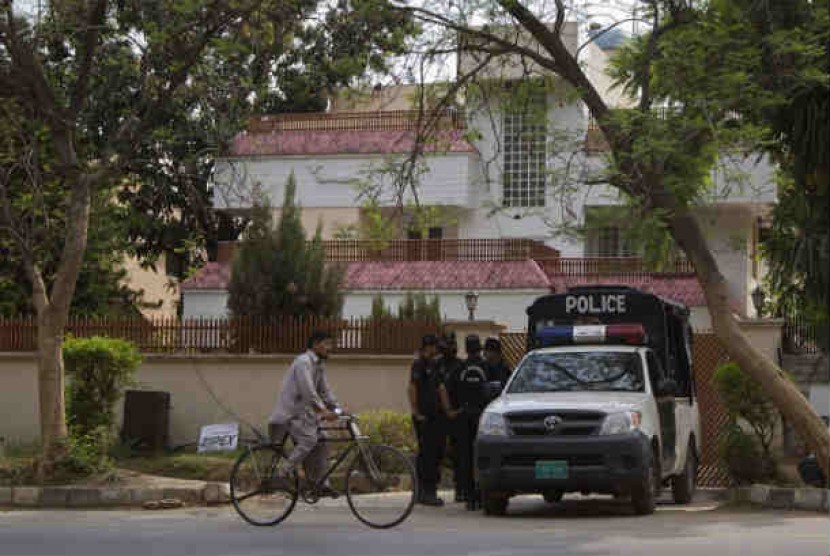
(609, 28)
(437, 19)
(95, 21)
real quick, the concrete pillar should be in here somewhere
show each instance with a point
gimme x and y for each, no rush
(463, 328)
(764, 335)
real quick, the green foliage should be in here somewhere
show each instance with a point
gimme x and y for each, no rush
(198, 75)
(99, 369)
(767, 63)
(389, 427)
(379, 308)
(739, 451)
(276, 272)
(87, 453)
(418, 307)
(747, 404)
(100, 291)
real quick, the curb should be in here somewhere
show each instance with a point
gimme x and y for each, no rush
(783, 498)
(89, 497)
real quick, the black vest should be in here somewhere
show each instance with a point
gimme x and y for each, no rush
(472, 394)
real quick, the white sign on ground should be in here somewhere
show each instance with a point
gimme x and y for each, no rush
(219, 438)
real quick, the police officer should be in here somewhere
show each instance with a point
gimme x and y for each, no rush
(450, 368)
(424, 400)
(496, 367)
(469, 393)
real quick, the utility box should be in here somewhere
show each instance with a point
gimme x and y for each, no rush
(146, 420)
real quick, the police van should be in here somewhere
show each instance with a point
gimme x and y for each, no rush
(603, 402)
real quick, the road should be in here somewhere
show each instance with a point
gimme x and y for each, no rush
(574, 528)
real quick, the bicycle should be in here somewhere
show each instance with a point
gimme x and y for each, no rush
(379, 480)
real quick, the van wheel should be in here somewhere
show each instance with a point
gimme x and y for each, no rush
(495, 504)
(553, 496)
(684, 485)
(644, 495)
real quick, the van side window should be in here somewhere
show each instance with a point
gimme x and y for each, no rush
(655, 369)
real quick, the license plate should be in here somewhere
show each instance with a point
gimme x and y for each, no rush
(551, 469)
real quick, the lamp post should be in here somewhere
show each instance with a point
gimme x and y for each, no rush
(471, 300)
(758, 300)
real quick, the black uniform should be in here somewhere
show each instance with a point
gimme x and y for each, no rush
(431, 431)
(451, 368)
(470, 394)
(500, 372)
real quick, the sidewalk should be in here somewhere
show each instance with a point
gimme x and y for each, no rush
(129, 489)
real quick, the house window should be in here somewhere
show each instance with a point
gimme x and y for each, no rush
(524, 145)
(603, 235)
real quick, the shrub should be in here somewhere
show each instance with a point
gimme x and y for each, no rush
(739, 451)
(277, 273)
(747, 405)
(389, 427)
(98, 370)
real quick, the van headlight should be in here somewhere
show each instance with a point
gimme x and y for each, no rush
(492, 424)
(620, 423)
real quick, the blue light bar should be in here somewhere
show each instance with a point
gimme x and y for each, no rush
(555, 336)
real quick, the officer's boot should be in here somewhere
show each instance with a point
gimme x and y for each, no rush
(474, 500)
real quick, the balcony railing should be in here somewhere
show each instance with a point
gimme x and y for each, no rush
(390, 120)
(624, 266)
(438, 250)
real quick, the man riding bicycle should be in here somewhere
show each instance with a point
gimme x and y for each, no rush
(305, 401)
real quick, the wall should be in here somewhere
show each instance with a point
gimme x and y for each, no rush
(332, 219)
(157, 287)
(18, 398)
(728, 231)
(333, 181)
(204, 303)
(507, 307)
(248, 385)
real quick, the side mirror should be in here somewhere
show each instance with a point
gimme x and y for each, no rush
(667, 387)
(493, 389)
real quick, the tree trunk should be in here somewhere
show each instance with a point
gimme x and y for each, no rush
(782, 391)
(53, 314)
(53, 430)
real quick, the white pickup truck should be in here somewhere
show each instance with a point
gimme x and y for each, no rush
(599, 408)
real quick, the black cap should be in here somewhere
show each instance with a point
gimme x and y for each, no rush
(429, 340)
(492, 344)
(448, 338)
(472, 343)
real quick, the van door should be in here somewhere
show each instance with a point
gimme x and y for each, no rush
(665, 408)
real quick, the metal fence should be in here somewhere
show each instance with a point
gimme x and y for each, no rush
(800, 336)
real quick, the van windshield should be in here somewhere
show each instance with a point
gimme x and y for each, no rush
(579, 371)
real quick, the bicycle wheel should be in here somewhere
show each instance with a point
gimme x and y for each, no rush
(381, 486)
(257, 495)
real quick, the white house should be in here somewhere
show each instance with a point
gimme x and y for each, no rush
(506, 180)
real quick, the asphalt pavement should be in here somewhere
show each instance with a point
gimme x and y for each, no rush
(575, 527)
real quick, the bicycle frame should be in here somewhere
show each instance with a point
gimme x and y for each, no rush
(355, 442)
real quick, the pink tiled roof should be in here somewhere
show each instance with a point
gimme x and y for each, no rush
(457, 275)
(445, 275)
(420, 275)
(682, 288)
(342, 142)
(212, 276)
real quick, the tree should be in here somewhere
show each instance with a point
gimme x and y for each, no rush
(108, 84)
(100, 291)
(277, 273)
(659, 161)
